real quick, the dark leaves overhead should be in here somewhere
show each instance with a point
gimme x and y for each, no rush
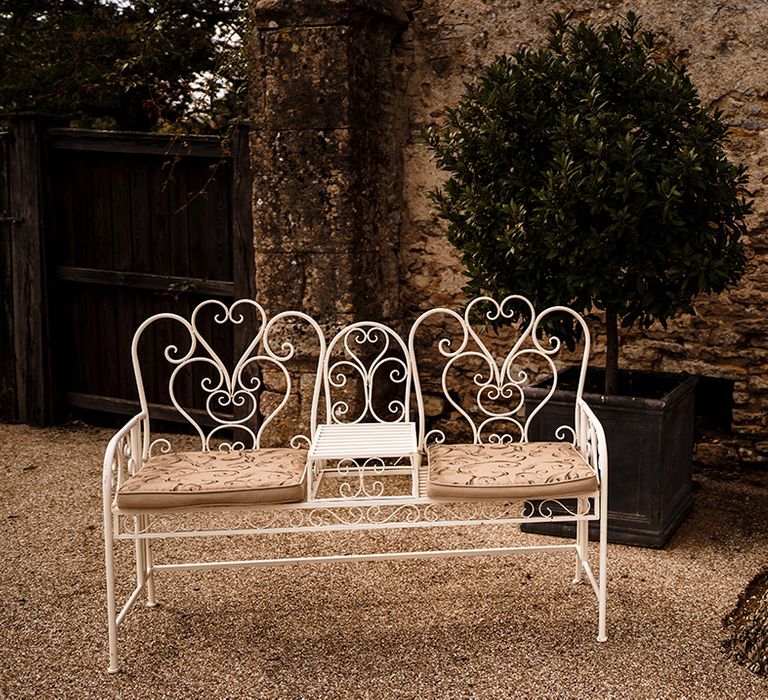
(143, 64)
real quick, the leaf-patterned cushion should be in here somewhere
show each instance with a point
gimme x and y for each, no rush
(518, 470)
(245, 477)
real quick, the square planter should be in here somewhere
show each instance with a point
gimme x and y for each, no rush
(650, 452)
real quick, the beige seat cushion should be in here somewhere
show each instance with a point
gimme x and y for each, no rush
(182, 479)
(520, 470)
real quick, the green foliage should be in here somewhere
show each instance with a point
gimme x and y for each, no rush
(587, 173)
(138, 64)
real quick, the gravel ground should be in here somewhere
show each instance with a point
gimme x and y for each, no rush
(449, 628)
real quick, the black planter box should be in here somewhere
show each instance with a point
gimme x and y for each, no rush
(650, 452)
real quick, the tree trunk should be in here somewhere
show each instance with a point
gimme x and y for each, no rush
(611, 352)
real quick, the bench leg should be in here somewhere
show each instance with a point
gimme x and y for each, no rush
(109, 561)
(603, 576)
(148, 563)
(582, 540)
(141, 551)
(314, 476)
(144, 572)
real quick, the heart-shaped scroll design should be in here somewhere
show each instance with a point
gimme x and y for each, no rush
(231, 395)
(499, 384)
(366, 356)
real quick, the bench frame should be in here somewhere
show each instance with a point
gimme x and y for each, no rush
(132, 445)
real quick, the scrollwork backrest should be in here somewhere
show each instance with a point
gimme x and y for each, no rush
(234, 413)
(367, 375)
(482, 380)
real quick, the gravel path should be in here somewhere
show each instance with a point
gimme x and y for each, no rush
(453, 628)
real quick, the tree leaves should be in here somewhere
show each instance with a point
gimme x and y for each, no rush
(143, 64)
(587, 173)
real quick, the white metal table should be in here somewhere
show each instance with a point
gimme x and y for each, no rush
(363, 449)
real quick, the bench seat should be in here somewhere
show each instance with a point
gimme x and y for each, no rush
(510, 470)
(216, 478)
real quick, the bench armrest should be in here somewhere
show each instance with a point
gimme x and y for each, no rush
(125, 452)
(590, 439)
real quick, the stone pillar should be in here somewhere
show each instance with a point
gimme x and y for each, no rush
(326, 193)
(326, 166)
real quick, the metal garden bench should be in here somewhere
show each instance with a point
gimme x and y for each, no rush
(370, 457)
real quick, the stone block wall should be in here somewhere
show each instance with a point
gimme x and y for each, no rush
(326, 193)
(344, 228)
(325, 177)
(725, 45)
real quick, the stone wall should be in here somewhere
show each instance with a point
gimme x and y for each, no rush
(341, 90)
(725, 45)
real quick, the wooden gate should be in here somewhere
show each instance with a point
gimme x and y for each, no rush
(8, 399)
(131, 225)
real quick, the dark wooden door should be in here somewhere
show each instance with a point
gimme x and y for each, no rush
(8, 406)
(136, 225)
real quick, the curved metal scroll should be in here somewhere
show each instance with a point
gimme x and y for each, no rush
(498, 397)
(367, 375)
(227, 390)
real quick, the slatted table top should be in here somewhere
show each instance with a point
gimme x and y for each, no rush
(343, 440)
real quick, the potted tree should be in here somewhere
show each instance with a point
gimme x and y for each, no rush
(587, 173)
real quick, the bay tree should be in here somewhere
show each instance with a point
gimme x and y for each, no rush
(588, 173)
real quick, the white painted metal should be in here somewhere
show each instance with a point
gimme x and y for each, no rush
(367, 355)
(227, 390)
(356, 451)
(364, 428)
(342, 440)
(496, 381)
(364, 440)
(377, 556)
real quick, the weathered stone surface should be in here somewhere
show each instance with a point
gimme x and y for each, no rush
(336, 286)
(724, 46)
(432, 271)
(716, 454)
(758, 384)
(326, 167)
(344, 225)
(275, 13)
(307, 78)
(283, 275)
(750, 456)
(433, 405)
(325, 174)
(318, 191)
(320, 77)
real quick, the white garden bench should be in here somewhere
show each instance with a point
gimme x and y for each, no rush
(368, 460)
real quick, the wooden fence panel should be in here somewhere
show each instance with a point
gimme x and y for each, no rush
(131, 225)
(139, 232)
(8, 404)
(34, 382)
